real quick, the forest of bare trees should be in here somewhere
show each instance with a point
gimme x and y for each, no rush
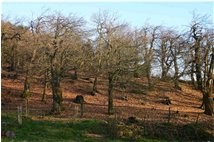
(52, 46)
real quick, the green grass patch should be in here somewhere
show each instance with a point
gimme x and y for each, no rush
(59, 131)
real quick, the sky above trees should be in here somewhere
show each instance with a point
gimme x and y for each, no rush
(172, 14)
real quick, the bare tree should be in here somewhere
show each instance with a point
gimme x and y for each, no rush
(148, 40)
(120, 51)
(163, 53)
(197, 37)
(202, 44)
(179, 55)
(11, 36)
(59, 37)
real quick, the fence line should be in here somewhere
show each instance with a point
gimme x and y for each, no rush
(23, 110)
(146, 115)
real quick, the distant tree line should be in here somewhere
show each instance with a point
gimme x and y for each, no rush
(53, 44)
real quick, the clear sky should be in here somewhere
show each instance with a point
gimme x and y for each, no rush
(175, 14)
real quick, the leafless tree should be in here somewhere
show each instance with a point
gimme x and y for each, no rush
(120, 51)
(60, 38)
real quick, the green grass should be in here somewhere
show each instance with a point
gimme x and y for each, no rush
(59, 131)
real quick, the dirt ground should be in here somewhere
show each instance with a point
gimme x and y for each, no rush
(144, 105)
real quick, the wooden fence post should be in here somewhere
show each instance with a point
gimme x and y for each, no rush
(76, 111)
(81, 109)
(19, 115)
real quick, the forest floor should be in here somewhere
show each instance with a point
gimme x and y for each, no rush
(141, 103)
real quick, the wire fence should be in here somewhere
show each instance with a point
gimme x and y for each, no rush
(147, 115)
(26, 111)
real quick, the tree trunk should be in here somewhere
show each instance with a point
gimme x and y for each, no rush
(163, 74)
(55, 76)
(208, 103)
(192, 74)
(12, 59)
(207, 98)
(148, 60)
(94, 89)
(148, 72)
(198, 65)
(192, 69)
(44, 95)
(176, 82)
(56, 91)
(45, 87)
(163, 56)
(110, 94)
(26, 92)
(206, 66)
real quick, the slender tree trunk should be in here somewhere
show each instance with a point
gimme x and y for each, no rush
(206, 66)
(55, 77)
(176, 82)
(205, 78)
(148, 71)
(56, 91)
(44, 95)
(45, 87)
(110, 94)
(163, 74)
(192, 74)
(136, 73)
(12, 59)
(192, 71)
(163, 56)
(149, 60)
(198, 65)
(94, 89)
(26, 92)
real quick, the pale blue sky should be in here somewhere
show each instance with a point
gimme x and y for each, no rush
(175, 14)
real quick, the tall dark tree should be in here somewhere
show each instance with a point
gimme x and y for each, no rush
(207, 98)
(149, 37)
(196, 34)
